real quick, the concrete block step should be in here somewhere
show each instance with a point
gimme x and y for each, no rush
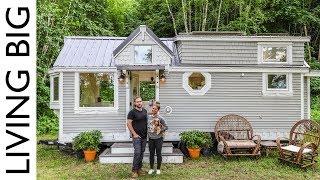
(106, 157)
(121, 148)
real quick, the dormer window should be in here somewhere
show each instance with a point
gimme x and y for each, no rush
(275, 53)
(142, 54)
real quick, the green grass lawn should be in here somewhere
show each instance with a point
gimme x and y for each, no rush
(52, 164)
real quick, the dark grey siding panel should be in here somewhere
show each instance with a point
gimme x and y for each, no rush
(75, 123)
(236, 53)
(229, 93)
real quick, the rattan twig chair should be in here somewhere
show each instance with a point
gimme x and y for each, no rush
(235, 137)
(303, 144)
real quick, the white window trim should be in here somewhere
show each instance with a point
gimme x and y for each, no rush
(52, 88)
(193, 92)
(133, 62)
(288, 47)
(95, 110)
(277, 92)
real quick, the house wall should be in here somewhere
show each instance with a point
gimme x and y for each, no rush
(75, 123)
(159, 56)
(305, 98)
(230, 93)
(227, 52)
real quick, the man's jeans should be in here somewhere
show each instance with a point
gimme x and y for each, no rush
(139, 146)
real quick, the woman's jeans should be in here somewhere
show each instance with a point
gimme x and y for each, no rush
(155, 145)
(139, 146)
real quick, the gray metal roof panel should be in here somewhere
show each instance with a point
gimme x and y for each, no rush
(126, 41)
(84, 52)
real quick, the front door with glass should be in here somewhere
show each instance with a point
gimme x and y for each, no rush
(143, 85)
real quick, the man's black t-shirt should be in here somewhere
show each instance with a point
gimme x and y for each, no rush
(139, 121)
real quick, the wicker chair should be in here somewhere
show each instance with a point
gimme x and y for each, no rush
(235, 137)
(303, 144)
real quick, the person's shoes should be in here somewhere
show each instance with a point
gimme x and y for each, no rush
(141, 173)
(151, 171)
(158, 172)
(134, 174)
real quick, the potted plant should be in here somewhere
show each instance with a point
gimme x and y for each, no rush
(88, 142)
(194, 141)
(207, 144)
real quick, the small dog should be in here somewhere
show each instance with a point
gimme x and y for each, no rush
(156, 126)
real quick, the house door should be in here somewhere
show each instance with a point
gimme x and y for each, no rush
(143, 85)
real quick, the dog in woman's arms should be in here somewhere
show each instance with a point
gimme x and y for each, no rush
(156, 126)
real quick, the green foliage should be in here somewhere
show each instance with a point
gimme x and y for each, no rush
(47, 125)
(315, 108)
(196, 139)
(147, 90)
(89, 140)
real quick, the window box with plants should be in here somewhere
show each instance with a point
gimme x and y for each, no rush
(88, 142)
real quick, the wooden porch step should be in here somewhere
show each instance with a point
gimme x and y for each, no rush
(106, 157)
(121, 148)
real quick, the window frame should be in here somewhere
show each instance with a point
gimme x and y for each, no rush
(52, 77)
(95, 110)
(134, 58)
(287, 45)
(203, 90)
(266, 91)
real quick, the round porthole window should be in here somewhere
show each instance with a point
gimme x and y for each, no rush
(168, 110)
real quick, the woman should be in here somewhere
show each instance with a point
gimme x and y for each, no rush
(156, 128)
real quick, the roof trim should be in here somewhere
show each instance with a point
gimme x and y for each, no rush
(134, 34)
(240, 69)
(313, 73)
(243, 38)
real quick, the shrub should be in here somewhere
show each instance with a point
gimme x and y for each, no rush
(196, 139)
(47, 125)
(89, 140)
(315, 108)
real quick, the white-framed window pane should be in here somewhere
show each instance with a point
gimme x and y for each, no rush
(196, 81)
(96, 90)
(274, 54)
(143, 54)
(56, 88)
(276, 81)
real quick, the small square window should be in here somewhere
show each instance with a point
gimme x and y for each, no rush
(142, 54)
(274, 54)
(277, 84)
(276, 81)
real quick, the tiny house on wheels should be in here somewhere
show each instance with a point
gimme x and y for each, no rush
(198, 78)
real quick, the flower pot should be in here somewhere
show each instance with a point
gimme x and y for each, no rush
(89, 155)
(194, 152)
(206, 151)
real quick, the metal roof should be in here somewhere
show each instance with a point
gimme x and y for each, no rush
(88, 52)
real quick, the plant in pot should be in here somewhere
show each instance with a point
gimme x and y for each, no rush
(89, 142)
(207, 144)
(193, 140)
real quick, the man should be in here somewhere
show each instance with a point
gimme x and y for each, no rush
(137, 124)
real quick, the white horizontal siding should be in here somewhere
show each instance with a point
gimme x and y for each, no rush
(229, 93)
(219, 52)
